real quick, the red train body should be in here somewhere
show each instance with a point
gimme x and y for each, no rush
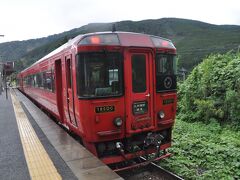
(116, 90)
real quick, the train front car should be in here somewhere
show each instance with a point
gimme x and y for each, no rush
(126, 88)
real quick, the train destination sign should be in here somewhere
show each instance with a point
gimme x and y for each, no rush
(140, 107)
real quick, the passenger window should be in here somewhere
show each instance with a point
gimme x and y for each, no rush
(139, 73)
(53, 80)
(69, 73)
(39, 80)
(35, 80)
(44, 80)
(47, 79)
(32, 81)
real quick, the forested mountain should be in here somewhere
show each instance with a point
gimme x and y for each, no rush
(193, 39)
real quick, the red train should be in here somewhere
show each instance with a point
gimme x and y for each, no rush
(115, 90)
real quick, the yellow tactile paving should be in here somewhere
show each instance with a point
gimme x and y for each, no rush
(39, 164)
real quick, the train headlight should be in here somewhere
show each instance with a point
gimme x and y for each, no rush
(161, 114)
(118, 122)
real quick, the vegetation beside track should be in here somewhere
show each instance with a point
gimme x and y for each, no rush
(204, 151)
(212, 91)
(206, 137)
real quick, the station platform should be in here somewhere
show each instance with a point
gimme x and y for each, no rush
(32, 146)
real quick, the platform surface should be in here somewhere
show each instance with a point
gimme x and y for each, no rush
(12, 159)
(59, 156)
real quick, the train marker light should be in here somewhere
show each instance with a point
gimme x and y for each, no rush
(118, 122)
(161, 114)
(162, 43)
(165, 43)
(101, 39)
(95, 40)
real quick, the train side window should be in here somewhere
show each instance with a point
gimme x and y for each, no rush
(49, 80)
(44, 80)
(29, 81)
(32, 81)
(39, 80)
(24, 81)
(35, 80)
(53, 79)
(139, 73)
(69, 73)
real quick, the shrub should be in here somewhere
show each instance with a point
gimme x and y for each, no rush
(212, 90)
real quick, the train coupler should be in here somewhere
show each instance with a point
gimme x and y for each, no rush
(153, 140)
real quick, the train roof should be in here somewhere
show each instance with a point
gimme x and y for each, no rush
(128, 39)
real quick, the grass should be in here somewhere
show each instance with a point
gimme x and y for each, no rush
(204, 151)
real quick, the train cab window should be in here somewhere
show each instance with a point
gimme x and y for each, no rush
(99, 75)
(166, 64)
(113, 76)
(166, 71)
(139, 73)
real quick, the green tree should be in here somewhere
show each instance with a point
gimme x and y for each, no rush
(212, 90)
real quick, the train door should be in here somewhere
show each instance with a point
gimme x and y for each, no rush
(139, 101)
(69, 89)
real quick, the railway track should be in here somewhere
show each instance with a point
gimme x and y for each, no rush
(151, 171)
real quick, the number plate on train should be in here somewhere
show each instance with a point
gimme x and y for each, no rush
(103, 109)
(168, 101)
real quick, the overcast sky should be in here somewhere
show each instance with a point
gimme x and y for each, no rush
(30, 19)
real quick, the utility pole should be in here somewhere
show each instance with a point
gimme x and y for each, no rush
(0, 82)
(2, 75)
(5, 79)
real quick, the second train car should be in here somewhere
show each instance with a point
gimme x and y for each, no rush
(115, 90)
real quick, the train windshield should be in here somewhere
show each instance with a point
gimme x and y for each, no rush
(166, 71)
(99, 75)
